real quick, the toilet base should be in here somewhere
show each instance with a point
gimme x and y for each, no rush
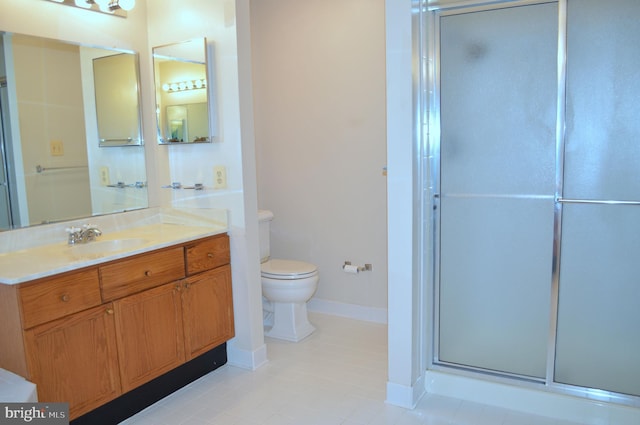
(290, 322)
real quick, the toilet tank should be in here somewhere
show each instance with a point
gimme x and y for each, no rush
(264, 227)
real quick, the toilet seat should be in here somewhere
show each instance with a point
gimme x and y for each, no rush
(287, 269)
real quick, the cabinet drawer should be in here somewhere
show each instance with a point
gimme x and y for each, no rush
(127, 277)
(59, 296)
(208, 254)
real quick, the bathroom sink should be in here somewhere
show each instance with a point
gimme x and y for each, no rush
(108, 246)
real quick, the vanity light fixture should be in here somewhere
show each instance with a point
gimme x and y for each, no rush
(110, 7)
(185, 85)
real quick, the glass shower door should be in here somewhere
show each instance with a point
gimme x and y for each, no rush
(498, 83)
(598, 337)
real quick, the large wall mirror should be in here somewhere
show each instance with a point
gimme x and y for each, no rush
(182, 92)
(59, 102)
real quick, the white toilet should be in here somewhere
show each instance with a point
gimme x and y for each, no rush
(287, 285)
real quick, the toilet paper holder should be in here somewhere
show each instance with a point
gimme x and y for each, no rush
(349, 268)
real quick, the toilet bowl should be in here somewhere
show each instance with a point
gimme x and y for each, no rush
(287, 285)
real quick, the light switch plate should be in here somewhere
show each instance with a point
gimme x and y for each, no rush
(219, 177)
(56, 148)
(104, 176)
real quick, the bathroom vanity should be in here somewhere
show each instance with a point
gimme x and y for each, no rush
(120, 318)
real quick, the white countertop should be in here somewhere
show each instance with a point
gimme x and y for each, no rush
(142, 232)
(16, 389)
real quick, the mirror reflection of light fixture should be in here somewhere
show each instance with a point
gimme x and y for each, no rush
(122, 4)
(110, 7)
(103, 5)
(200, 83)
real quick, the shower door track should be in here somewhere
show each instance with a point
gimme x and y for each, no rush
(429, 98)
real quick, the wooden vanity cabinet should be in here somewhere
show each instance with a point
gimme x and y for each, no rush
(161, 328)
(207, 310)
(150, 334)
(89, 336)
(74, 359)
(69, 340)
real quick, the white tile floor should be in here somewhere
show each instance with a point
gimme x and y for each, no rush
(336, 376)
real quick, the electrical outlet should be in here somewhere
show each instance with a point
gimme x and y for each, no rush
(219, 177)
(104, 176)
(56, 148)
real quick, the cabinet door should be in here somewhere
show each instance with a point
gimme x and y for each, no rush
(149, 334)
(207, 311)
(74, 360)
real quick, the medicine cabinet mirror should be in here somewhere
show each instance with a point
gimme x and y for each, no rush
(182, 92)
(60, 102)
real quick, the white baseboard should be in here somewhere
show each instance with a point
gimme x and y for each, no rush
(405, 396)
(352, 311)
(246, 359)
(532, 401)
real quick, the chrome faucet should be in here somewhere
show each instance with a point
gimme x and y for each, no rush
(86, 233)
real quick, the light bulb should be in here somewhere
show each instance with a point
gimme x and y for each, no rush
(183, 85)
(127, 4)
(174, 87)
(198, 84)
(165, 87)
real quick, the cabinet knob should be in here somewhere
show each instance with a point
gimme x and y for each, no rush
(65, 298)
(109, 311)
(148, 273)
(187, 285)
(209, 254)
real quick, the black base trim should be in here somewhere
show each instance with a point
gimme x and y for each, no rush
(134, 401)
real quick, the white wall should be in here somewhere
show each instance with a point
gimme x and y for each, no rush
(319, 86)
(407, 317)
(170, 21)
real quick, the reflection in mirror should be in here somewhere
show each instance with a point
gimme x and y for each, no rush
(117, 100)
(53, 167)
(182, 92)
(187, 122)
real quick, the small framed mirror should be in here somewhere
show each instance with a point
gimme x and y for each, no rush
(182, 92)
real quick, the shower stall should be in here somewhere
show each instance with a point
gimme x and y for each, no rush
(532, 162)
